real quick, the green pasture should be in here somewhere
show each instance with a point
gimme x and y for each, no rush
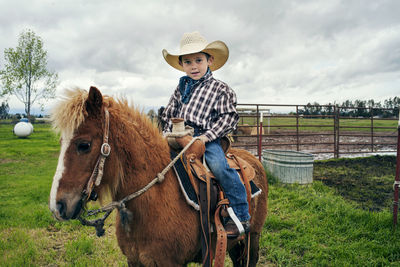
(322, 124)
(29, 236)
(311, 225)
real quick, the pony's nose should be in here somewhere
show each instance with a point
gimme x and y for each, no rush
(61, 208)
(67, 210)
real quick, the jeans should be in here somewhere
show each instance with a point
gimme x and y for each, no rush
(228, 178)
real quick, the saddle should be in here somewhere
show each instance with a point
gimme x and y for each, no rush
(213, 204)
(194, 155)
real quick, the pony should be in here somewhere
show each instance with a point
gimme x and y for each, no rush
(163, 229)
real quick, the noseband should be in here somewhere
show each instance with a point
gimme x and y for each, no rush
(95, 180)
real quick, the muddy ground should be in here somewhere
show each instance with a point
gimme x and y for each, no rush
(321, 144)
(367, 181)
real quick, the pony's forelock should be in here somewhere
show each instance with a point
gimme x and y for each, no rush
(70, 111)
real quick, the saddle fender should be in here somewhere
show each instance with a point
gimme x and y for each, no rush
(196, 151)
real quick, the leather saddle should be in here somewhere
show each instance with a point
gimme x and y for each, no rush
(211, 199)
(195, 153)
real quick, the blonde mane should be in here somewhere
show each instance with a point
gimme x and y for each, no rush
(70, 112)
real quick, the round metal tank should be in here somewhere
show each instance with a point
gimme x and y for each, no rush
(289, 166)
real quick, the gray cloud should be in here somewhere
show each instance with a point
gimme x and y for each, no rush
(280, 51)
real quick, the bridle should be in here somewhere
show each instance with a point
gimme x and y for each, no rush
(97, 174)
(95, 180)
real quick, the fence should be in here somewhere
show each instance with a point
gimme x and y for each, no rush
(324, 130)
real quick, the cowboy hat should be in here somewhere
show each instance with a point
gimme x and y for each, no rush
(194, 42)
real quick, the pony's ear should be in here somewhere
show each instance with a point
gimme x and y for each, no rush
(94, 101)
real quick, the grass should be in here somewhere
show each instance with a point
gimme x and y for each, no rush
(312, 226)
(343, 219)
(323, 124)
(26, 164)
(327, 223)
(29, 236)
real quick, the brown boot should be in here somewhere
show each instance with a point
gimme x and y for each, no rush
(232, 231)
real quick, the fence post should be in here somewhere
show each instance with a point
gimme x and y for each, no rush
(336, 131)
(372, 129)
(297, 128)
(260, 138)
(397, 178)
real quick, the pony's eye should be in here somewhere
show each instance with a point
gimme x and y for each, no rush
(83, 147)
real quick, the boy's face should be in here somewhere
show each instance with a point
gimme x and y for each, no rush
(195, 65)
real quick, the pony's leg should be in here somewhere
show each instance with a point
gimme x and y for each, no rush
(146, 261)
(143, 262)
(237, 253)
(254, 248)
(133, 264)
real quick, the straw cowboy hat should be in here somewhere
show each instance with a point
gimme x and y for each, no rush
(194, 43)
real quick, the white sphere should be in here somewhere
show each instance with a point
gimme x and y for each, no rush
(23, 129)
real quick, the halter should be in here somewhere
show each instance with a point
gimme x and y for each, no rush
(95, 180)
(105, 150)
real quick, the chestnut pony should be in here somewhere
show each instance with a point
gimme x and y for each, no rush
(164, 229)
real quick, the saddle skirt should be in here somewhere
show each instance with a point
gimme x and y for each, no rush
(189, 187)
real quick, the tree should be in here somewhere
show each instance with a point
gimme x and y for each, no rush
(4, 108)
(25, 73)
(329, 109)
(151, 114)
(361, 106)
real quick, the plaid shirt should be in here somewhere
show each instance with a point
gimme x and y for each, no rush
(212, 108)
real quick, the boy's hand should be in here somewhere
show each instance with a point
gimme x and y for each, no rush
(203, 138)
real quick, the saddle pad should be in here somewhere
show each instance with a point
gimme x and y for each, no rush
(186, 186)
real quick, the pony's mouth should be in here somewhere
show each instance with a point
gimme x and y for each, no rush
(63, 213)
(78, 210)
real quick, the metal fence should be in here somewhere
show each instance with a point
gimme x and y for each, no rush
(327, 131)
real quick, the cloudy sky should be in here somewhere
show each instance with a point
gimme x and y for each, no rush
(281, 52)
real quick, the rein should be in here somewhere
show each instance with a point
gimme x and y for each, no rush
(95, 180)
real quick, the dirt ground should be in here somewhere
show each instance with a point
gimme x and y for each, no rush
(321, 144)
(367, 181)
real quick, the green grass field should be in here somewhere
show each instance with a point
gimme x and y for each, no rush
(311, 225)
(319, 124)
(29, 236)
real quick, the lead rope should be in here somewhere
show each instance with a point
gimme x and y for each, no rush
(99, 223)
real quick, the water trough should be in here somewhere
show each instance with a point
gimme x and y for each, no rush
(289, 166)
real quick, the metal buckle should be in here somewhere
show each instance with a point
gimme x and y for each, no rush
(105, 149)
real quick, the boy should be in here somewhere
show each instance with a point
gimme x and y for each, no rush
(209, 106)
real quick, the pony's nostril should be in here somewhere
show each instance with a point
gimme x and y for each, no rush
(61, 208)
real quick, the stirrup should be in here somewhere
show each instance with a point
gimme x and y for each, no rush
(236, 221)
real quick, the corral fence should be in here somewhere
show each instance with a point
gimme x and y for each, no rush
(323, 130)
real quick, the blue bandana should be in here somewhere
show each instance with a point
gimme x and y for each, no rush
(186, 85)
